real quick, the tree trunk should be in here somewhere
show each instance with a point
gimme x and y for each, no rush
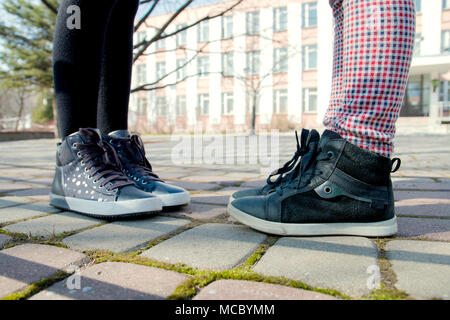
(253, 127)
(21, 107)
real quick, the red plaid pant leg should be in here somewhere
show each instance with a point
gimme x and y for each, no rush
(374, 41)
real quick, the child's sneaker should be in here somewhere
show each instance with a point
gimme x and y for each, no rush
(341, 190)
(88, 179)
(130, 149)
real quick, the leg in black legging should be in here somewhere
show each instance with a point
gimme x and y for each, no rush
(77, 56)
(116, 68)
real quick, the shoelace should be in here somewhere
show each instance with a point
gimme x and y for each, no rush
(101, 161)
(139, 166)
(289, 165)
(307, 168)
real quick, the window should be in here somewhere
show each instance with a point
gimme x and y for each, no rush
(227, 64)
(203, 65)
(280, 19)
(203, 31)
(141, 74)
(180, 106)
(252, 22)
(309, 100)
(227, 103)
(203, 104)
(227, 27)
(280, 99)
(160, 44)
(309, 14)
(181, 69)
(180, 37)
(309, 57)
(280, 61)
(141, 106)
(252, 58)
(417, 41)
(418, 5)
(161, 106)
(445, 42)
(160, 70)
(141, 36)
(445, 4)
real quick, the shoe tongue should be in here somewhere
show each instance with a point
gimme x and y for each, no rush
(328, 135)
(313, 136)
(88, 135)
(119, 134)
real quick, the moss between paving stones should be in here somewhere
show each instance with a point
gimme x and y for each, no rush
(36, 287)
(387, 289)
(200, 278)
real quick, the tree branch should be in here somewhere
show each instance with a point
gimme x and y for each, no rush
(51, 7)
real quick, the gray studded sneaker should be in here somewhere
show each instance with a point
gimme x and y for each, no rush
(88, 179)
(340, 190)
(130, 149)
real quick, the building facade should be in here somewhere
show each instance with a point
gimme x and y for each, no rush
(267, 63)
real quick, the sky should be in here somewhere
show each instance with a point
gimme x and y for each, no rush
(166, 6)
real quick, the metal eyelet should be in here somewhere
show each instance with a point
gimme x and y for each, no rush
(75, 145)
(144, 182)
(330, 154)
(95, 181)
(79, 154)
(86, 169)
(82, 162)
(327, 190)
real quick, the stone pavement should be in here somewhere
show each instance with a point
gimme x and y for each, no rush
(199, 252)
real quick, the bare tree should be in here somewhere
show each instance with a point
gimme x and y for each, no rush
(142, 47)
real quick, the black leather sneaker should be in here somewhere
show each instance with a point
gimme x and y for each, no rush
(88, 179)
(130, 149)
(340, 190)
(282, 174)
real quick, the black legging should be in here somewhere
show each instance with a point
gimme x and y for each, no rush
(92, 65)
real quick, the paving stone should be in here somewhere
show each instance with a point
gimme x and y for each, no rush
(213, 178)
(230, 190)
(4, 239)
(249, 290)
(423, 207)
(30, 192)
(23, 265)
(117, 281)
(9, 186)
(327, 262)
(12, 201)
(254, 184)
(419, 184)
(422, 267)
(210, 198)
(197, 211)
(124, 236)
(431, 229)
(194, 186)
(26, 211)
(53, 224)
(407, 195)
(209, 246)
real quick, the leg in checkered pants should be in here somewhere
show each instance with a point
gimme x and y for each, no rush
(339, 183)
(374, 42)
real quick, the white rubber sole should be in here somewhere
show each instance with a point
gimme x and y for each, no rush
(174, 199)
(106, 208)
(367, 229)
